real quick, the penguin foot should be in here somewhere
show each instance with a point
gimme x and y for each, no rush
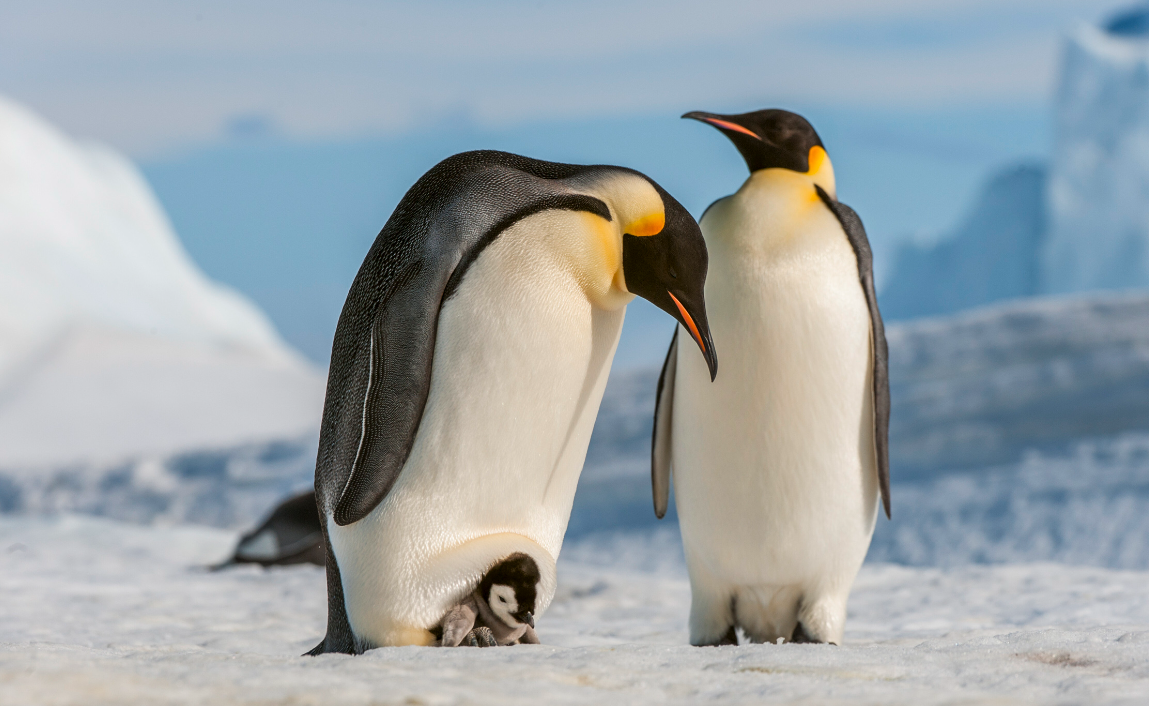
(730, 638)
(800, 635)
(481, 637)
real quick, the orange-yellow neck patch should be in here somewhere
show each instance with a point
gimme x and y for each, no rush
(816, 159)
(651, 224)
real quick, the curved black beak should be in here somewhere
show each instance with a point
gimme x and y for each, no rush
(525, 617)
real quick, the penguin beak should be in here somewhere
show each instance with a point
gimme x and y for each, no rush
(526, 618)
(700, 336)
(721, 122)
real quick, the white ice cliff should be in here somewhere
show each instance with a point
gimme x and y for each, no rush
(112, 342)
(1098, 191)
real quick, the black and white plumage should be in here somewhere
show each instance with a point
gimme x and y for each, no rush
(466, 373)
(500, 611)
(779, 464)
(290, 534)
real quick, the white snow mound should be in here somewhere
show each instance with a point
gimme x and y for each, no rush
(112, 341)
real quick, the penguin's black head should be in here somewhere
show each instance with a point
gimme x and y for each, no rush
(510, 589)
(770, 139)
(668, 269)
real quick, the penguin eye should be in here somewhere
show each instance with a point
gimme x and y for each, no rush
(502, 600)
(672, 272)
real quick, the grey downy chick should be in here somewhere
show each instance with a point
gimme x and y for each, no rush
(500, 611)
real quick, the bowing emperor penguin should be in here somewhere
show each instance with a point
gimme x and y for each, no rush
(467, 370)
(778, 465)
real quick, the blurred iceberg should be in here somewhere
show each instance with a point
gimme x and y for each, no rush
(112, 342)
(993, 255)
(1080, 224)
(1098, 196)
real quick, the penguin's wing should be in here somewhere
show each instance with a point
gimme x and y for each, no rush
(660, 442)
(381, 358)
(856, 234)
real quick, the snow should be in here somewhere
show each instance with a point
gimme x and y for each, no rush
(101, 612)
(980, 388)
(1098, 192)
(112, 342)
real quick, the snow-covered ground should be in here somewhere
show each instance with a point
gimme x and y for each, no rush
(99, 612)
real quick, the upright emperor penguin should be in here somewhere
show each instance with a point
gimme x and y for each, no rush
(777, 465)
(466, 373)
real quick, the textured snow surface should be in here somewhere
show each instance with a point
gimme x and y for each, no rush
(97, 612)
(981, 387)
(112, 342)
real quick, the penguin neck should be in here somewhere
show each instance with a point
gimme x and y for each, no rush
(594, 253)
(785, 196)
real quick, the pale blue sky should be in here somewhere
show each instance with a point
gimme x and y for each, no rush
(279, 135)
(152, 77)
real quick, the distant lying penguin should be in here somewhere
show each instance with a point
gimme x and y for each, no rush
(500, 611)
(778, 465)
(466, 373)
(291, 534)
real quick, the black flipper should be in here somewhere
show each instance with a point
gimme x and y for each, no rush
(661, 441)
(339, 638)
(291, 534)
(856, 234)
(381, 358)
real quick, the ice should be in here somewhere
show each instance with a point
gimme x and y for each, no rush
(1079, 224)
(112, 342)
(1098, 193)
(99, 612)
(992, 255)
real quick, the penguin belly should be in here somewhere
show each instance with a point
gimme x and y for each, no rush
(773, 462)
(520, 363)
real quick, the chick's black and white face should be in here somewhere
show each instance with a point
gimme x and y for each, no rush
(505, 604)
(510, 589)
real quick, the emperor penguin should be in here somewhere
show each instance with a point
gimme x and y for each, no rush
(466, 372)
(778, 464)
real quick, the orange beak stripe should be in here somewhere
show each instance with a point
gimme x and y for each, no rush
(689, 321)
(727, 125)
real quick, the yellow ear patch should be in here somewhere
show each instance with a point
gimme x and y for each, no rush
(816, 158)
(647, 225)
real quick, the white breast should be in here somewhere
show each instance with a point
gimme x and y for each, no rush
(521, 360)
(773, 462)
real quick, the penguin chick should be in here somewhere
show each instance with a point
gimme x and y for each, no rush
(500, 609)
(779, 464)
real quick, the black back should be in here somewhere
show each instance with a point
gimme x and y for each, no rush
(291, 534)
